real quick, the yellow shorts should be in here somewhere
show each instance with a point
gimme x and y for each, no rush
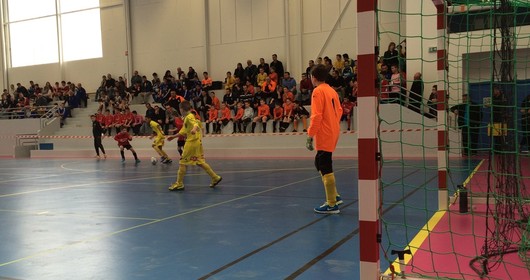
(192, 154)
(159, 141)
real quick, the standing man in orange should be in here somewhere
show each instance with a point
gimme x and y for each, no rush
(326, 112)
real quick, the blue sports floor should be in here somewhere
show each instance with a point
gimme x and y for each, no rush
(88, 219)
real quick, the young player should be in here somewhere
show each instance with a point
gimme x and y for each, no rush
(277, 116)
(264, 112)
(300, 113)
(347, 111)
(179, 123)
(325, 129)
(238, 118)
(158, 143)
(248, 114)
(123, 139)
(193, 151)
(288, 115)
(212, 118)
(97, 132)
(226, 115)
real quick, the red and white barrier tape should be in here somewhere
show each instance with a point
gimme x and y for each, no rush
(208, 135)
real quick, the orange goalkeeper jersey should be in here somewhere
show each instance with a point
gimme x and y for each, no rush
(326, 112)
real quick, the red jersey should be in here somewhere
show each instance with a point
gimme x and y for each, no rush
(179, 123)
(278, 112)
(347, 108)
(100, 118)
(123, 138)
(109, 120)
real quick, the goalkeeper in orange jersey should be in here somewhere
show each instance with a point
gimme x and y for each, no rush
(324, 128)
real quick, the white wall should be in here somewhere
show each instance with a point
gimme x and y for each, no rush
(469, 57)
(10, 128)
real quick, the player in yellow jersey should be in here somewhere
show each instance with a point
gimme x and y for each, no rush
(159, 136)
(193, 152)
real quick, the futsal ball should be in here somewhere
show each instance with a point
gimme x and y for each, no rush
(154, 160)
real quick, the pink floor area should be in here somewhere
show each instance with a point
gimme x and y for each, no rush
(478, 183)
(454, 242)
(458, 238)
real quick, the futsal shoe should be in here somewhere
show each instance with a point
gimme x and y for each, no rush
(326, 209)
(167, 161)
(339, 200)
(176, 187)
(137, 161)
(215, 182)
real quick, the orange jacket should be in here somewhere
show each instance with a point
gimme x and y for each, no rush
(269, 87)
(326, 112)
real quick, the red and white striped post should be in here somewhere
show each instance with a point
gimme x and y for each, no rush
(368, 143)
(442, 105)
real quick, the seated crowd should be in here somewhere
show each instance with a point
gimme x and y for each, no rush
(253, 96)
(35, 101)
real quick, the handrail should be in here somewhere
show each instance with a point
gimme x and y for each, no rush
(25, 139)
(424, 101)
(27, 112)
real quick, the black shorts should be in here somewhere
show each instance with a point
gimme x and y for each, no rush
(128, 146)
(324, 162)
(224, 121)
(180, 143)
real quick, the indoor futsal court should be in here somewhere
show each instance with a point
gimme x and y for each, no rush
(89, 219)
(432, 162)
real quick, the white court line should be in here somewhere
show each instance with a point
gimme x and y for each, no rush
(110, 234)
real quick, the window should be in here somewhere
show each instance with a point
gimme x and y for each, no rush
(34, 31)
(81, 40)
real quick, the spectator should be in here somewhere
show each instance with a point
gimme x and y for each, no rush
(416, 94)
(239, 72)
(22, 89)
(230, 100)
(264, 65)
(337, 83)
(289, 82)
(136, 78)
(339, 63)
(268, 88)
(229, 80)
(206, 82)
(306, 87)
(81, 95)
(277, 65)
(310, 66)
(262, 75)
(432, 103)
(215, 101)
(391, 55)
(251, 71)
(146, 89)
(287, 95)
